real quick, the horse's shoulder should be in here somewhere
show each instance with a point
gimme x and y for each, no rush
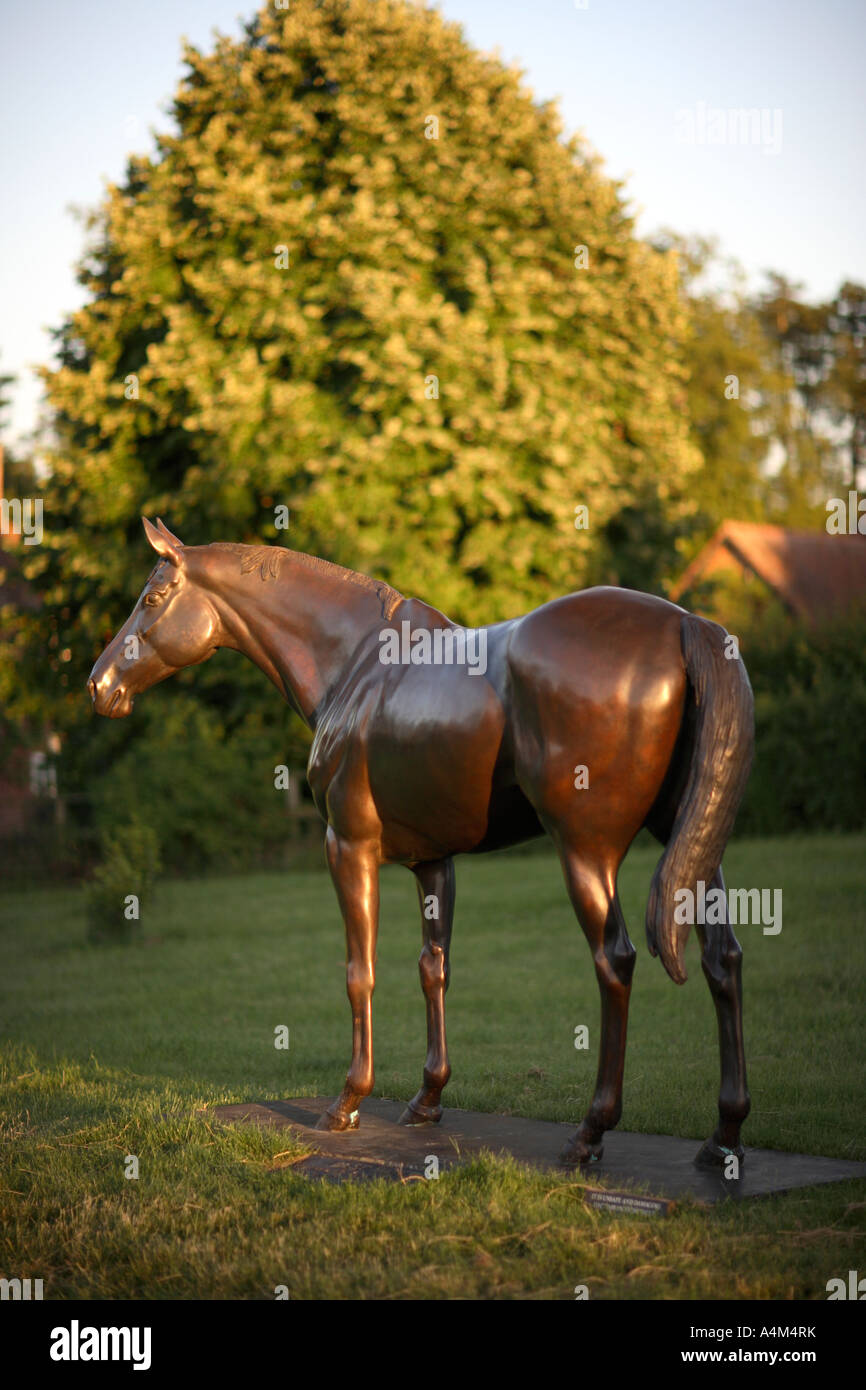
(419, 614)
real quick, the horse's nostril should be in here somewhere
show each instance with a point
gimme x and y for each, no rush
(91, 686)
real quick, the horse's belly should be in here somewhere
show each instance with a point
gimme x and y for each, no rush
(511, 821)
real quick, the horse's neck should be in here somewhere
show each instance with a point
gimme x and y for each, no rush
(299, 620)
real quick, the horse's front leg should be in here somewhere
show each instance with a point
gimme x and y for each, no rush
(354, 868)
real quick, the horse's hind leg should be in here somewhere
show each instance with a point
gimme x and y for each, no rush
(721, 960)
(592, 889)
(436, 894)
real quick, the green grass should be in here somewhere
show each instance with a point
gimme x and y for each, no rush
(114, 1049)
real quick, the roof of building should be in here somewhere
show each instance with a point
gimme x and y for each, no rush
(812, 572)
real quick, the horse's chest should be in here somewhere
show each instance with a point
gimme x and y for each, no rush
(333, 746)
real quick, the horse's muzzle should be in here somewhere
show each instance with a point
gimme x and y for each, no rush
(114, 703)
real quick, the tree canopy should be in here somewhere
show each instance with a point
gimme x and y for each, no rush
(367, 279)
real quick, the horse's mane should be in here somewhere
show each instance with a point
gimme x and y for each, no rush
(268, 559)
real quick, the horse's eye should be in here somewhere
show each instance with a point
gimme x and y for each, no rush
(152, 600)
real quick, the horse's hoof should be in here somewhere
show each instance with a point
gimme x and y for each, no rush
(418, 1115)
(578, 1151)
(335, 1121)
(715, 1155)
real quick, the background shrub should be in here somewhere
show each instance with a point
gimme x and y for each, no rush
(207, 792)
(131, 862)
(810, 717)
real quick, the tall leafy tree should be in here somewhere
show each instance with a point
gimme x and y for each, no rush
(776, 393)
(732, 381)
(801, 349)
(845, 391)
(19, 472)
(366, 278)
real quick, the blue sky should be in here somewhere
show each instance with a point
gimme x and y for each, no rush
(83, 83)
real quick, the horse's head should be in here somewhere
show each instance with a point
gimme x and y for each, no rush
(174, 624)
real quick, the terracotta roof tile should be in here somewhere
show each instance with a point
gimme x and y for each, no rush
(812, 572)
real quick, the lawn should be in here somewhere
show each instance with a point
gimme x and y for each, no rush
(110, 1051)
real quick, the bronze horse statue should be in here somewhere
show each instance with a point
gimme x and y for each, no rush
(415, 760)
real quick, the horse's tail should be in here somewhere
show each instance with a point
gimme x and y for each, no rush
(721, 759)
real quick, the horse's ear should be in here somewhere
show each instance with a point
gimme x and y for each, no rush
(168, 548)
(169, 535)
